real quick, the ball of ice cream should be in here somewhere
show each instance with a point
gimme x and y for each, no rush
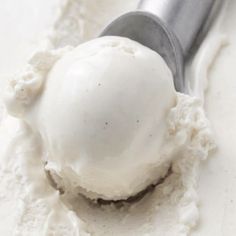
(102, 118)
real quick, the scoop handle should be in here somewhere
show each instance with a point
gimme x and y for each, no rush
(184, 17)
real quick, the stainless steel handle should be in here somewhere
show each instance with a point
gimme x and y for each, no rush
(183, 17)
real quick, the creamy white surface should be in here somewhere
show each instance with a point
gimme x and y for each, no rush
(180, 135)
(210, 173)
(218, 176)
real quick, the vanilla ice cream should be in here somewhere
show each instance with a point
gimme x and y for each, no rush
(102, 116)
(30, 142)
(103, 119)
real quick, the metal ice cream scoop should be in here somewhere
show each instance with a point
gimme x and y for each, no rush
(169, 27)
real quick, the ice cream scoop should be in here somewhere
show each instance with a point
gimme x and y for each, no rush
(102, 124)
(169, 27)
